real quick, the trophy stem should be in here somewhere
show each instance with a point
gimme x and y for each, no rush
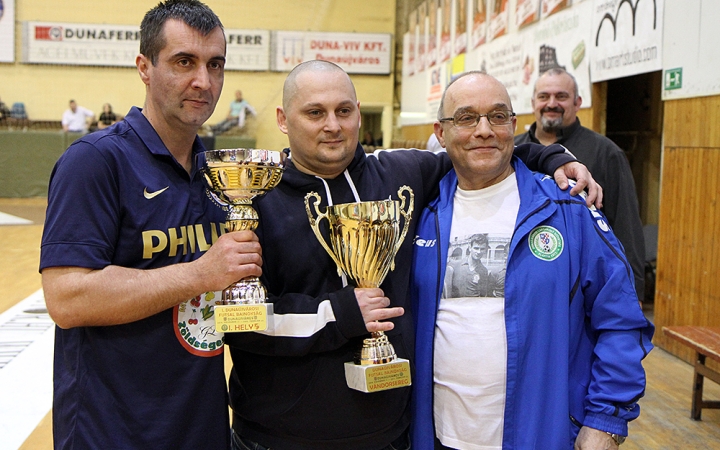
(248, 291)
(376, 350)
(242, 216)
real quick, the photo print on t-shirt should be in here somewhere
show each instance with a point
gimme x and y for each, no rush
(476, 266)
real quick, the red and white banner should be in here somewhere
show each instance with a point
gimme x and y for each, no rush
(80, 44)
(367, 53)
(118, 45)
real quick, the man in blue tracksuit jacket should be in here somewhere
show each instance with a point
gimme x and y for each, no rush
(575, 333)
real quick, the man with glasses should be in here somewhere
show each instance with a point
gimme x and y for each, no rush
(556, 102)
(555, 361)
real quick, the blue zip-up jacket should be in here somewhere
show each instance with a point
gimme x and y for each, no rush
(576, 335)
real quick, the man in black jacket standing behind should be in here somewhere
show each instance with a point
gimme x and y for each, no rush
(556, 102)
(287, 387)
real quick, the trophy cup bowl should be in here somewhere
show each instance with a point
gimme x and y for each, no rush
(364, 239)
(237, 176)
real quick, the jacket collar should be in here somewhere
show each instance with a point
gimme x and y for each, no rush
(147, 134)
(532, 198)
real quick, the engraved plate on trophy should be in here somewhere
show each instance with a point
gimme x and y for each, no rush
(237, 176)
(364, 239)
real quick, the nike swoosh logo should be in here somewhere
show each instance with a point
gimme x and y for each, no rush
(149, 195)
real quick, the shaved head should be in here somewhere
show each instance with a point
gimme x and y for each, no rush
(321, 117)
(290, 88)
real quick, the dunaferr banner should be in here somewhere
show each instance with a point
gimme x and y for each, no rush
(118, 45)
(80, 44)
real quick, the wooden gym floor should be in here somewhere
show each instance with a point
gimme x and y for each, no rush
(664, 422)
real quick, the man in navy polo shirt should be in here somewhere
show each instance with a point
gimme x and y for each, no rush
(127, 263)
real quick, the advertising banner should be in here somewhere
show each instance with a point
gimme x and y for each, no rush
(80, 44)
(7, 30)
(118, 45)
(627, 38)
(366, 53)
(479, 27)
(499, 19)
(432, 33)
(527, 12)
(461, 21)
(445, 18)
(549, 7)
(421, 38)
(517, 59)
(247, 50)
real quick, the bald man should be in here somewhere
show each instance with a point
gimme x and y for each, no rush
(288, 387)
(550, 357)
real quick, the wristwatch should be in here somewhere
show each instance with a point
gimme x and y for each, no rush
(618, 438)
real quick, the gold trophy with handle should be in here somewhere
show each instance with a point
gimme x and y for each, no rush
(238, 176)
(364, 239)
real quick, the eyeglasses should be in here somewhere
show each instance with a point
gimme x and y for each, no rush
(471, 119)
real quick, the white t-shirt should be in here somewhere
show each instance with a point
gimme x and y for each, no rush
(470, 351)
(77, 121)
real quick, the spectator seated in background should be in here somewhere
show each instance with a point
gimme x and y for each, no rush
(77, 119)
(239, 109)
(16, 116)
(107, 117)
(368, 142)
(4, 112)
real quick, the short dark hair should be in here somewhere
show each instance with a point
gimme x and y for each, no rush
(479, 238)
(193, 13)
(559, 71)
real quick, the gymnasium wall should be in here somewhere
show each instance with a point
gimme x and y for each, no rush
(46, 89)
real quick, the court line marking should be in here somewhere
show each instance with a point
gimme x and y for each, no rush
(8, 219)
(27, 336)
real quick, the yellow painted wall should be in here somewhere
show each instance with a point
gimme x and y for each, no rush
(46, 89)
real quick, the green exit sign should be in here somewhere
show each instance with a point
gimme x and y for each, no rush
(673, 79)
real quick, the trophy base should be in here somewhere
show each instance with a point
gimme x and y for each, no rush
(378, 377)
(243, 318)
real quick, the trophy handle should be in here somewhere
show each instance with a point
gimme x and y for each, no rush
(315, 225)
(406, 214)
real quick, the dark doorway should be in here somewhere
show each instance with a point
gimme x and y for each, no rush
(634, 123)
(371, 136)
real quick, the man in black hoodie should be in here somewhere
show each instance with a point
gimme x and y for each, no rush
(287, 387)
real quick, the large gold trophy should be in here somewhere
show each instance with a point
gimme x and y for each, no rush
(364, 239)
(238, 176)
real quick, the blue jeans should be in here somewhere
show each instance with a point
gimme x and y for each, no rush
(240, 443)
